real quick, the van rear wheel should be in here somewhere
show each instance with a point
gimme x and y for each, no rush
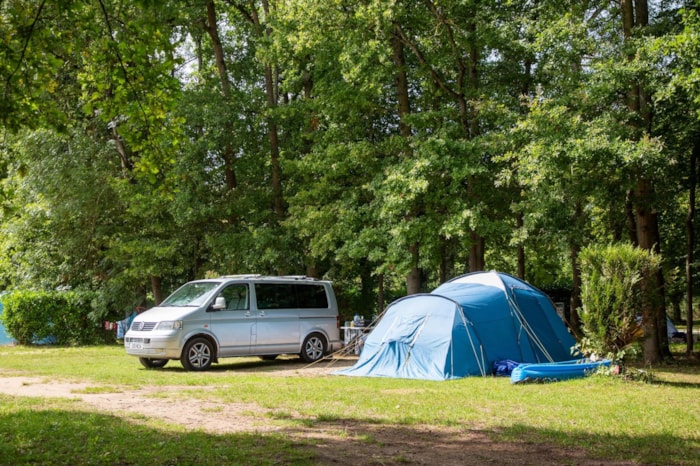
(197, 355)
(313, 348)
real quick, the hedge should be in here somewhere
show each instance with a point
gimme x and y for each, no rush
(60, 317)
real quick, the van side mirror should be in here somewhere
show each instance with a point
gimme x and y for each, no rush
(219, 303)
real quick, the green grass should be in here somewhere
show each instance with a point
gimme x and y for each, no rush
(612, 419)
(33, 431)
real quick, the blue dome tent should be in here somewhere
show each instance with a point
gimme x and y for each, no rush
(462, 328)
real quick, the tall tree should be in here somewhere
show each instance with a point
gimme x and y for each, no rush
(211, 26)
(118, 92)
(635, 21)
(677, 117)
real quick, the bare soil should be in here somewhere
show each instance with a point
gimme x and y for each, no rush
(335, 443)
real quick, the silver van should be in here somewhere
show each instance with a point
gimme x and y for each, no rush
(241, 315)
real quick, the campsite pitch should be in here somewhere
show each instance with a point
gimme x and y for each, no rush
(93, 406)
(331, 441)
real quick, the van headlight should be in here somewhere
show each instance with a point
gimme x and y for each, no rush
(169, 325)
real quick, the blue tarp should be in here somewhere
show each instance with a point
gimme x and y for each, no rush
(462, 328)
(4, 337)
(123, 325)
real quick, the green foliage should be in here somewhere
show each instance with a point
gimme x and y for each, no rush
(149, 156)
(61, 317)
(613, 297)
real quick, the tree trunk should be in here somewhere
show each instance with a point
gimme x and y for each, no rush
(380, 294)
(635, 13)
(415, 276)
(212, 29)
(157, 289)
(652, 242)
(675, 303)
(521, 248)
(401, 83)
(690, 246)
(276, 175)
(575, 301)
(367, 288)
(631, 222)
(447, 259)
(271, 93)
(647, 238)
(474, 81)
(641, 13)
(520, 218)
(272, 97)
(476, 252)
(414, 279)
(311, 270)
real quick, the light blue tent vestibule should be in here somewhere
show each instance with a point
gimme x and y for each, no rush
(462, 328)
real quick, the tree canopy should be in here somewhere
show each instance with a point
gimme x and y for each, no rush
(387, 145)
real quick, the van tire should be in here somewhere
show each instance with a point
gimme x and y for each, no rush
(197, 355)
(149, 363)
(313, 348)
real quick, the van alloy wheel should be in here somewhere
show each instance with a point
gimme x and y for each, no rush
(197, 355)
(314, 348)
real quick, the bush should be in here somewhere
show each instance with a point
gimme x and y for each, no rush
(61, 317)
(613, 297)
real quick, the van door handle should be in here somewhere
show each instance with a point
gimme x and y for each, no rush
(247, 314)
(262, 314)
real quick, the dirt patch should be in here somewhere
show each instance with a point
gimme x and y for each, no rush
(335, 443)
(154, 402)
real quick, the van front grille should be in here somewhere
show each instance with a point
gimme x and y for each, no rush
(143, 326)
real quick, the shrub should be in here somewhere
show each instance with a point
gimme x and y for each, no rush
(613, 297)
(62, 317)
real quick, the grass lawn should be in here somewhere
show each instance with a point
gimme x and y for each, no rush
(610, 419)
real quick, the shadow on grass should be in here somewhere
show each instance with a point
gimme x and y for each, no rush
(678, 384)
(251, 364)
(359, 442)
(31, 434)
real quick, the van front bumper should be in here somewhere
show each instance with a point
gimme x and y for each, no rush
(147, 345)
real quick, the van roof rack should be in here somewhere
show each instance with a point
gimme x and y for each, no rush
(272, 277)
(249, 275)
(296, 277)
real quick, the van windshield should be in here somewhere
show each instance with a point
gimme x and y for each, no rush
(191, 294)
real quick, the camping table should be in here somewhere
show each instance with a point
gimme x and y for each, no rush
(351, 336)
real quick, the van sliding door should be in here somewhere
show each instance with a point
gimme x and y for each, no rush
(277, 329)
(234, 326)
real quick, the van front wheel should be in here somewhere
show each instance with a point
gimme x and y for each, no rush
(314, 348)
(197, 355)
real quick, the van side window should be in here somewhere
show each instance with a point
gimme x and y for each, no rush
(236, 297)
(290, 296)
(274, 295)
(311, 296)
